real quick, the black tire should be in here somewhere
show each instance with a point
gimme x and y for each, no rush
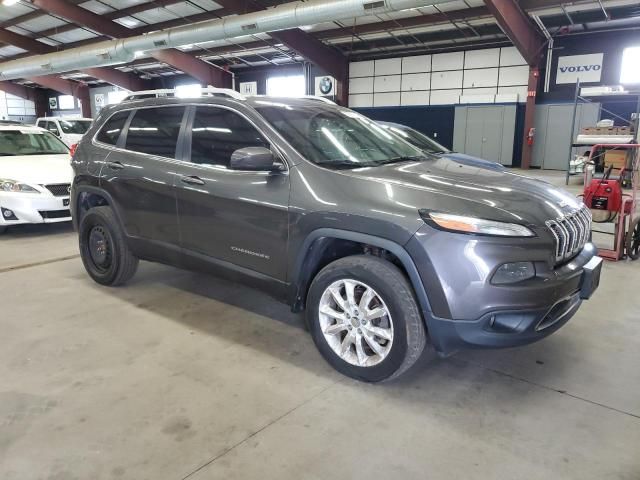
(103, 248)
(393, 288)
(633, 240)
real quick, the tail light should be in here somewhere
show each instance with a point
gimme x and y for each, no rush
(72, 150)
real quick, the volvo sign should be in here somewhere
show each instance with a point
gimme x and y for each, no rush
(586, 68)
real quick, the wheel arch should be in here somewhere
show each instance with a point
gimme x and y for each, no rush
(315, 254)
(86, 197)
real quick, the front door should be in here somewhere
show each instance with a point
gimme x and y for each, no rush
(236, 218)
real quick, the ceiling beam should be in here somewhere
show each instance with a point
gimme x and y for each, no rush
(324, 56)
(519, 28)
(199, 69)
(124, 80)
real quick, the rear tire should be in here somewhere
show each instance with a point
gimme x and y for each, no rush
(373, 334)
(103, 248)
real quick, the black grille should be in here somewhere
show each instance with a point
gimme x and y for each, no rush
(55, 213)
(59, 189)
(571, 232)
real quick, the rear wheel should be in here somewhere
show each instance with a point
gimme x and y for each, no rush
(364, 318)
(633, 240)
(103, 248)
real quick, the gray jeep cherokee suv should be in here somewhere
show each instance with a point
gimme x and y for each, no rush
(384, 245)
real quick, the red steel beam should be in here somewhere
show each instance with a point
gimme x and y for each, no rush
(198, 69)
(324, 56)
(77, 89)
(519, 28)
(530, 43)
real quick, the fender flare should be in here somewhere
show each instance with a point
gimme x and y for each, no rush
(301, 279)
(77, 191)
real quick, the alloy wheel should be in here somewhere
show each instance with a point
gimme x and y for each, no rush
(356, 322)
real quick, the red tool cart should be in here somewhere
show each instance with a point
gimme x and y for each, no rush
(611, 203)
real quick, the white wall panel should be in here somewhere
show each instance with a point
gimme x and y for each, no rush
(444, 80)
(361, 69)
(414, 98)
(387, 83)
(513, 76)
(421, 63)
(510, 56)
(477, 98)
(362, 100)
(480, 91)
(447, 61)
(389, 99)
(521, 91)
(507, 98)
(482, 77)
(416, 81)
(361, 85)
(445, 97)
(388, 66)
(489, 57)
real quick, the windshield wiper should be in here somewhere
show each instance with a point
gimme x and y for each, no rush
(409, 158)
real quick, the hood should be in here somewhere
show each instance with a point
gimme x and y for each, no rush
(464, 185)
(37, 169)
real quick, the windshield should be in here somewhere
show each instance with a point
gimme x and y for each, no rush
(30, 142)
(336, 137)
(75, 126)
(416, 138)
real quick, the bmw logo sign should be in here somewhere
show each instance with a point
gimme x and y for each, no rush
(326, 85)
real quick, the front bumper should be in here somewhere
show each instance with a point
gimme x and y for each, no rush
(33, 208)
(466, 310)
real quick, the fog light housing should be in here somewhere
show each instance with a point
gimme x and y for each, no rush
(513, 273)
(8, 214)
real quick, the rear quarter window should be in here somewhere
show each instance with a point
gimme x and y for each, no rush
(111, 130)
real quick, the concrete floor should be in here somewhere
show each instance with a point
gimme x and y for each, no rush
(180, 375)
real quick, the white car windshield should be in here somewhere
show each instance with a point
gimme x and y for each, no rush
(75, 126)
(30, 142)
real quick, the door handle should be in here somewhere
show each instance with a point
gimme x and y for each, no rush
(115, 165)
(192, 180)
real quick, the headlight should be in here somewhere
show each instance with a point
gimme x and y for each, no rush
(15, 186)
(459, 223)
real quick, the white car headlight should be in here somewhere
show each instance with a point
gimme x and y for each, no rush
(459, 223)
(7, 185)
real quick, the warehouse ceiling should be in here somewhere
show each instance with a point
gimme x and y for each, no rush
(446, 26)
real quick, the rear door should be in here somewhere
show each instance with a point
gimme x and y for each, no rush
(231, 216)
(139, 174)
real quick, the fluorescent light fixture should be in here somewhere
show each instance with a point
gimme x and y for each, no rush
(9, 2)
(192, 90)
(630, 72)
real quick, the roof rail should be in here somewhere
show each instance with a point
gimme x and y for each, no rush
(319, 98)
(171, 92)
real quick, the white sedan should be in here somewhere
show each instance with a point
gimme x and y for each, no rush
(35, 176)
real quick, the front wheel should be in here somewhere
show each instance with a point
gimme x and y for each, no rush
(364, 318)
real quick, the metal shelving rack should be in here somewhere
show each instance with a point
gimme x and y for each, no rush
(633, 123)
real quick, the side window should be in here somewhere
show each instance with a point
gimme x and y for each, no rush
(41, 124)
(110, 131)
(53, 128)
(218, 132)
(155, 131)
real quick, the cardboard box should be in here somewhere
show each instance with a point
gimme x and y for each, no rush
(606, 131)
(617, 158)
(589, 131)
(625, 130)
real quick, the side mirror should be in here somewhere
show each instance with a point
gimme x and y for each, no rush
(253, 159)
